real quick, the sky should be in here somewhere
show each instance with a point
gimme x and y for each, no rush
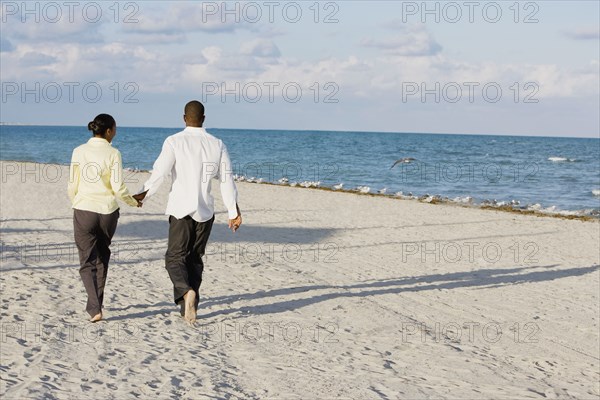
(468, 67)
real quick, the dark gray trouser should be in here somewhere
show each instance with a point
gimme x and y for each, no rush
(183, 260)
(93, 234)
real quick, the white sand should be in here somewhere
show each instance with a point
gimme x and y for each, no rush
(319, 295)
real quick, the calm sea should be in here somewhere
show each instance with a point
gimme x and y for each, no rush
(552, 174)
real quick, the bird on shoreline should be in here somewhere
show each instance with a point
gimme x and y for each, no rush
(405, 160)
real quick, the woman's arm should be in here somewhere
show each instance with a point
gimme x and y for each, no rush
(117, 182)
(73, 186)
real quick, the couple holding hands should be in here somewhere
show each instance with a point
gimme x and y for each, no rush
(193, 158)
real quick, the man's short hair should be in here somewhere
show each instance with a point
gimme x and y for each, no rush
(194, 110)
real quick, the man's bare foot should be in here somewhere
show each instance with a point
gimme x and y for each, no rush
(190, 301)
(96, 317)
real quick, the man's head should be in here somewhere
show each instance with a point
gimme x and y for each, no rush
(194, 114)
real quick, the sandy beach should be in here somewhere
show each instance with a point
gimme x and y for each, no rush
(319, 295)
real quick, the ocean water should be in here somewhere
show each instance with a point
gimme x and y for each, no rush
(560, 175)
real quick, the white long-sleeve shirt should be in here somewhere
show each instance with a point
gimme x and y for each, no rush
(194, 157)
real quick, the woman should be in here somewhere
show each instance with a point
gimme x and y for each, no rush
(95, 183)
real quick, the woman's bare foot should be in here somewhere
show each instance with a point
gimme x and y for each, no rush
(96, 317)
(190, 301)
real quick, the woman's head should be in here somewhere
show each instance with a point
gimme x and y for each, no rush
(103, 126)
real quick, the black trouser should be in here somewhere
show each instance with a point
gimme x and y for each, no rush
(183, 260)
(93, 234)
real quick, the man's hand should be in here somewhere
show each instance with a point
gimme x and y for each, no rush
(234, 224)
(139, 197)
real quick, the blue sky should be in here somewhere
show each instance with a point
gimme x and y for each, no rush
(376, 66)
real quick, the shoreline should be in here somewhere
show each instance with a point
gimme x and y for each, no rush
(435, 201)
(428, 199)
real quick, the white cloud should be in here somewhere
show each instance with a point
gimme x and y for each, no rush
(583, 34)
(180, 19)
(372, 77)
(261, 48)
(150, 38)
(557, 82)
(61, 31)
(412, 40)
(36, 59)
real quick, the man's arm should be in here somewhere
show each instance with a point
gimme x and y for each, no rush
(228, 190)
(161, 168)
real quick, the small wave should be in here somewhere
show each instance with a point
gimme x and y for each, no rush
(136, 169)
(596, 192)
(561, 159)
(463, 200)
(537, 207)
(557, 211)
(310, 184)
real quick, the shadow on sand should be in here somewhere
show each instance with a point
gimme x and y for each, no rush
(484, 278)
(159, 229)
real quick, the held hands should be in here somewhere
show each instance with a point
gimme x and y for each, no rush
(234, 224)
(139, 197)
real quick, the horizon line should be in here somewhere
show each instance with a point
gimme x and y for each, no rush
(321, 130)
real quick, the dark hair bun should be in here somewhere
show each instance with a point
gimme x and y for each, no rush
(101, 124)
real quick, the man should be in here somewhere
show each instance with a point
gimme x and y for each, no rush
(193, 157)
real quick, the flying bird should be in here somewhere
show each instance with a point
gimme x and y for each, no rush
(403, 160)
